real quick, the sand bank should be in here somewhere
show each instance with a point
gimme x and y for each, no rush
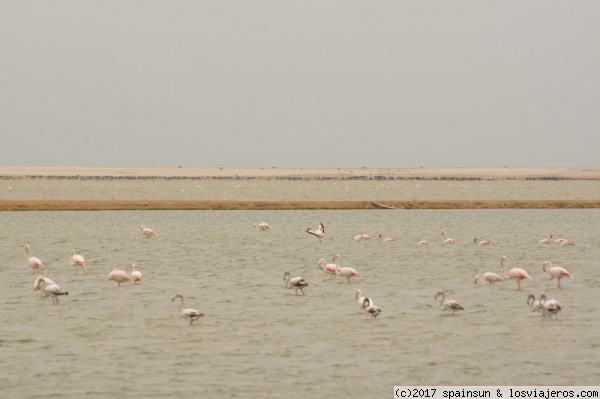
(277, 173)
(388, 206)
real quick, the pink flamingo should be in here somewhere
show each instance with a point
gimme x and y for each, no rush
(148, 232)
(319, 233)
(566, 242)
(489, 278)
(553, 272)
(447, 240)
(36, 283)
(328, 268)
(515, 273)
(547, 240)
(423, 242)
(347, 272)
(32, 261)
(136, 275)
(77, 260)
(119, 276)
(362, 237)
(484, 242)
(388, 239)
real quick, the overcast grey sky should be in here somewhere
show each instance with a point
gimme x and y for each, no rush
(312, 84)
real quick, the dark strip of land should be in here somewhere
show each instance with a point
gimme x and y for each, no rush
(113, 205)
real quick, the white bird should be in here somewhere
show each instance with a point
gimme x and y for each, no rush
(296, 283)
(136, 275)
(148, 232)
(36, 284)
(319, 233)
(261, 226)
(77, 260)
(362, 237)
(549, 307)
(534, 305)
(447, 240)
(515, 273)
(479, 242)
(371, 309)
(448, 304)
(328, 268)
(387, 239)
(32, 261)
(553, 272)
(190, 314)
(119, 276)
(52, 290)
(489, 278)
(360, 299)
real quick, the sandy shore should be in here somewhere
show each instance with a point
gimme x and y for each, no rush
(277, 173)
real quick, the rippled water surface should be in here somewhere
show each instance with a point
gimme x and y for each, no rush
(258, 339)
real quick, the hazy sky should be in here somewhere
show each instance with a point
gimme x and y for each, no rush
(312, 84)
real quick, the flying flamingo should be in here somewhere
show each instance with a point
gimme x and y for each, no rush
(190, 314)
(448, 304)
(447, 240)
(515, 273)
(547, 240)
(549, 307)
(534, 305)
(371, 309)
(484, 242)
(136, 275)
(32, 261)
(319, 233)
(147, 231)
(388, 239)
(553, 272)
(77, 260)
(119, 276)
(489, 278)
(52, 290)
(328, 268)
(296, 283)
(36, 284)
(261, 226)
(362, 237)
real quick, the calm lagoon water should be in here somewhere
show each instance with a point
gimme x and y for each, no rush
(258, 339)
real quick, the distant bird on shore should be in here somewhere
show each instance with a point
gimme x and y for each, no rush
(484, 242)
(319, 233)
(32, 261)
(547, 240)
(76, 261)
(148, 232)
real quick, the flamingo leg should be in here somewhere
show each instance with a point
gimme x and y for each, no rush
(519, 284)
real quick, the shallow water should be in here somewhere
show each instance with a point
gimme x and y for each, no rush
(258, 339)
(299, 190)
